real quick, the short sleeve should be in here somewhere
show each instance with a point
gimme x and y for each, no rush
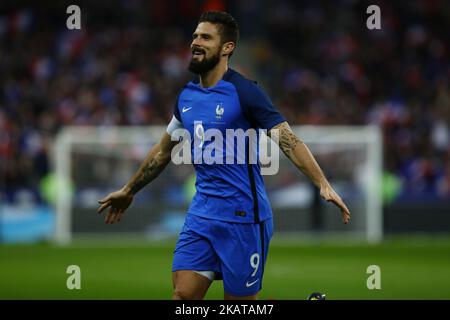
(176, 111)
(175, 123)
(257, 106)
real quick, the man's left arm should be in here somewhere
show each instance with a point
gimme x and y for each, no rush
(297, 151)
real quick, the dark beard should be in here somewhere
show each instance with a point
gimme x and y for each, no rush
(202, 67)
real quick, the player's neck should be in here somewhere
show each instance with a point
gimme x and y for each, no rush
(211, 78)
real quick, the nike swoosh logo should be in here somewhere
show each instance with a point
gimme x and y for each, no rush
(251, 283)
(186, 109)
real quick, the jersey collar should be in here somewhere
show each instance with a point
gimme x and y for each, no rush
(227, 75)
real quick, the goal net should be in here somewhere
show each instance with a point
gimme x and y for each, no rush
(90, 162)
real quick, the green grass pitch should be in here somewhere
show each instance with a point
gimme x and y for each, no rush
(411, 268)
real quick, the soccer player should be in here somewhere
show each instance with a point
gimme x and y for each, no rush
(228, 225)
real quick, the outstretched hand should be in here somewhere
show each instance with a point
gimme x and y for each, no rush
(117, 202)
(328, 193)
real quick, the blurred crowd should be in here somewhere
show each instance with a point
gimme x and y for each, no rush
(333, 70)
(318, 61)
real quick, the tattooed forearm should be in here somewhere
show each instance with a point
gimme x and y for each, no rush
(143, 177)
(154, 163)
(298, 152)
(286, 138)
(148, 171)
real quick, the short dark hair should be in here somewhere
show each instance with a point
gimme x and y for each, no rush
(228, 27)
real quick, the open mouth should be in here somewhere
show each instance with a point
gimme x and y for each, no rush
(197, 52)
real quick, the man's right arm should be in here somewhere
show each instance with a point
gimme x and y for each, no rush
(155, 162)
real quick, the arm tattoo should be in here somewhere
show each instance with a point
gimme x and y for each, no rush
(287, 139)
(301, 156)
(150, 171)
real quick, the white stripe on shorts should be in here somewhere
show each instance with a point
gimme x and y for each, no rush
(209, 274)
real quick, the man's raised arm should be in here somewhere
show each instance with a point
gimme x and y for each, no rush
(154, 163)
(297, 151)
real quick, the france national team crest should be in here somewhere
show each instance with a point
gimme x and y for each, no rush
(219, 111)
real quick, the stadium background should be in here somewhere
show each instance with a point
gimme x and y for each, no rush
(319, 64)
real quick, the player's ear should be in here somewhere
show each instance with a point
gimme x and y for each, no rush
(227, 48)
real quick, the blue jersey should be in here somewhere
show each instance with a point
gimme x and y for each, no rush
(228, 192)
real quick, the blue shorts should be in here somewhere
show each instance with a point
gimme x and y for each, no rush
(236, 252)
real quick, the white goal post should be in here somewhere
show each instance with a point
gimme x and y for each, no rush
(353, 154)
